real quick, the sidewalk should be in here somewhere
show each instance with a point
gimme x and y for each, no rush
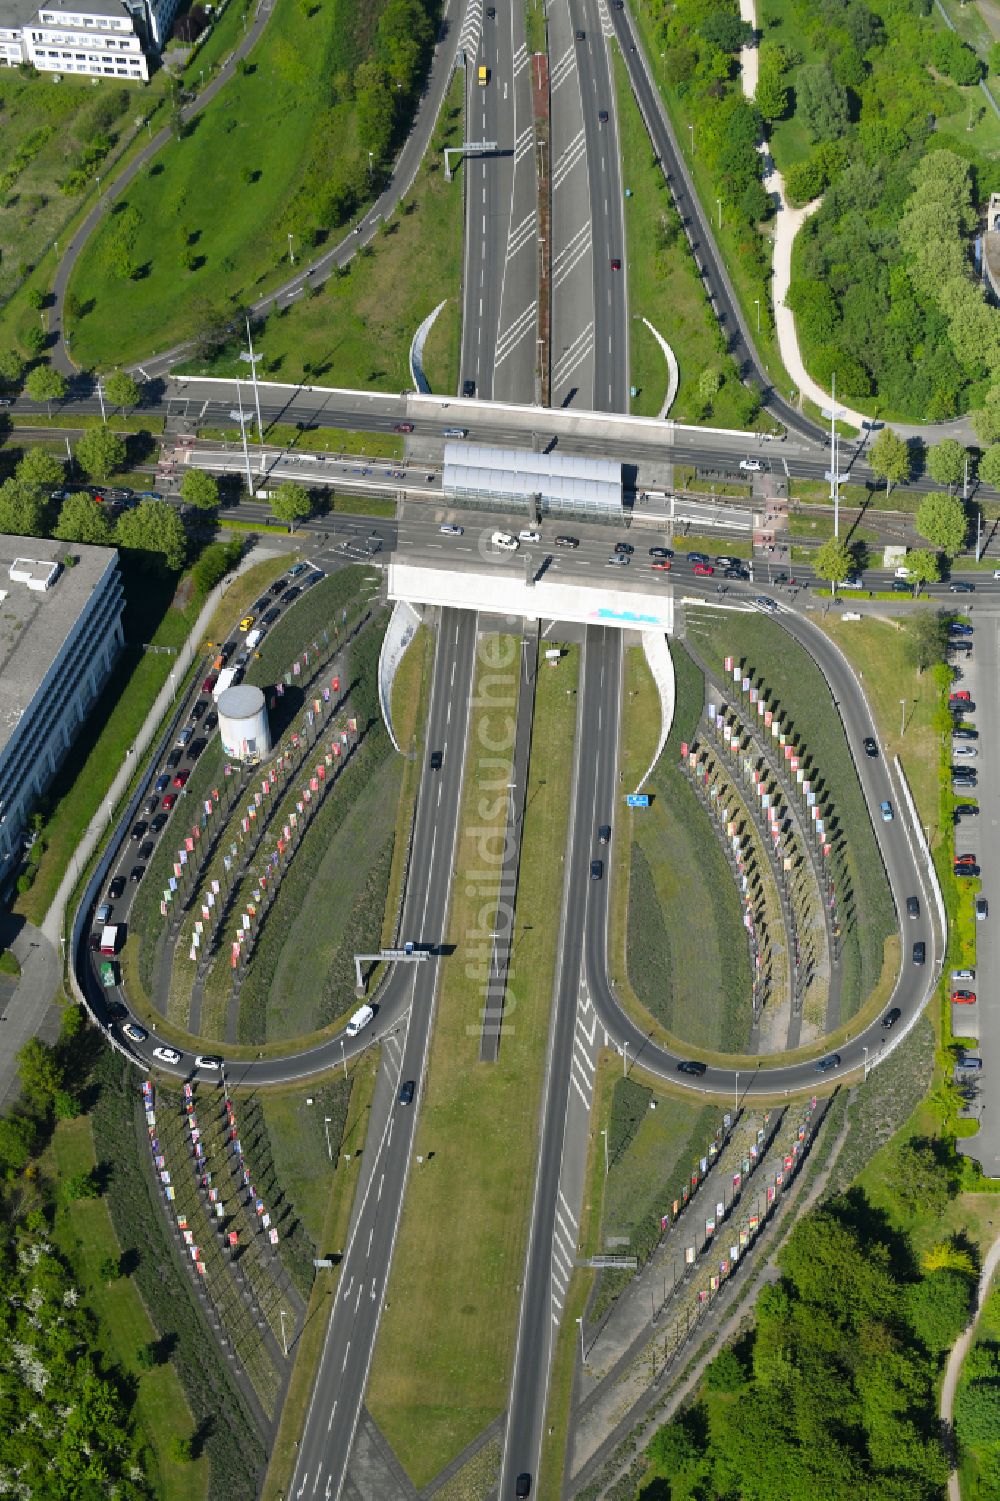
(958, 1352)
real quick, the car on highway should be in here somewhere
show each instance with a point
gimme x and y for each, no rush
(197, 746)
(704, 570)
(134, 1032)
(596, 870)
(181, 777)
(662, 565)
(736, 571)
(522, 1486)
(167, 1055)
(151, 804)
(619, 560)
(870, 746)
(103, 914)
(117, 1012)
(751, 466)
(162, 782)
(211, 722)
(448, 529)
(824, 1065)
(275, 588)
(963, 997)
(136, 873)
(407, 1092)
(567, 542)
(491, 12)
(885, 808)
(698, 557)
(969, 752)
(198, 709)
(260, 604)
(247, 622)
(660, 552)
(528, 536)
(912, 907)
(210, 682)
(208, 1061)
(291, 593)
(158, 824)
(919, 952)
(468, 388)
(146, 849)
(604, 833)
(854, 582)
(691, 1066)
(139, 829)
(763, 603)
(616, 264)
(961, 586)
(437, 759)
(116, 888)
(403, 427)
(982, 909)
(185, 735)
(891, 1017)
(271, 615)
(168, 801)
(602, 116)
(625, 548)
(174, 759)
(725, 561)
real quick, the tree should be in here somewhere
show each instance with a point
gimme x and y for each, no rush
(987, 420)
(109, 1268)
(100, 453)
(17, 1138)
(822, 102)
(11, 367)
(40, 470)
(121, 390)
(771, 96)
(833, 562)
(215, 562)
(989, 466)
(939, 1306)
(977, 1413)
(726, 1373)
(889, 459)
(946, 462)
(200, 489)
(34, 340)
(40, 1070)
(35, 299)
(942, 520)
(290, 502)
(922, 1178)
(154, 526)
(926, 640)
(81, 1186)
(180, 1449)
(22, 510)
(46, 384)
(924, 567)
(81, 519)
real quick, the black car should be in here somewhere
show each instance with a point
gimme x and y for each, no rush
(406, 1093)
(116, 889)
(117, 1012)
(660, 552)
(146, 849)
(966, 810)
(567, 542)
(258, 605)
(290, 594)
(523, 1486)
(174, 759)
(136, 873)
(871, 749)
(912, 907)
(826, 1064)
(624, 549)
(691, 1066)
(151, 804)
(211, 722)
(270, 616)
(968, 871)
(596, 870)
(279, 584)
(139, 829)
(196, 747)
(962, 732)
(604, 833)
(157, 826)
(199, 708)
(314, 578)
(962, 586)
(468, 388)
(226, 650)
(437, 760)
(736, 572)
(919, 953)
(891, 1017)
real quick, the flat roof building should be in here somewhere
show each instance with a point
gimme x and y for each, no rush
(60, 634)
(518, 479)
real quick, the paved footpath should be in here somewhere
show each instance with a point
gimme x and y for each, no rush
(959, 1350)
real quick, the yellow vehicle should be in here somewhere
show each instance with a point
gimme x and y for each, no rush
(483, 75)
(246, 622)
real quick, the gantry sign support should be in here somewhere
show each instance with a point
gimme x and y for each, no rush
(469, 148)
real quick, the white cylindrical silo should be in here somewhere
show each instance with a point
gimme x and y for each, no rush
(243, 723)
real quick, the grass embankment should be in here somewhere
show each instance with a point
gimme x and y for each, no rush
(357, 330)
(460, 1255)
(799, 690)
(323, 1193)
(305, 437)
(83, 1232)
(209, 219)
(160, 610)
(691, 975)
(664, 285)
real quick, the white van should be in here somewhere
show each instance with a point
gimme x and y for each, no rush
(504, 541)
(254, 639)
(359, 1020)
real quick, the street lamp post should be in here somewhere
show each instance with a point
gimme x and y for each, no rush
(284, 1341)
(902, 717)
(757, 306)
(719, 202)
(343, 1057)
(251, 359)
(326, 1127)
(691, 129)
(243, 418)
(736, 1092)
(583, 1352)
(604, 1133)
(291, 257)
(100, 397)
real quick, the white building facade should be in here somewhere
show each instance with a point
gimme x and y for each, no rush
(93, 38)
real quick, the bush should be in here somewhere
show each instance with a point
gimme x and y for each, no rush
(939, 1306)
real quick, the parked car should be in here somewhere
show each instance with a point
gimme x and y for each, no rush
(963, 997)
(982, 909)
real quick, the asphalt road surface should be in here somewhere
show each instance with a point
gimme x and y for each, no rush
(335, 1405)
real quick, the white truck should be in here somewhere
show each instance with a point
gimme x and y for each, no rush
(225, 681)
(109, 939)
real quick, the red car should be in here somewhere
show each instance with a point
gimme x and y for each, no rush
(181, 777)
(210, 682)
(963, 997)
(963, 696)
(705, 569)
(660, 567)
(616, 264)
(169, 800)
(965, 859)
(404, 427)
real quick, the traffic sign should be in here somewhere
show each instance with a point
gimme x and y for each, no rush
(637, 799)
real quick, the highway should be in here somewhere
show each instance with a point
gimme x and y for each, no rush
(500, 296)
(409, 997)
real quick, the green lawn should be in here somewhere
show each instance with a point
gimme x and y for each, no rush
(227, 32)
(357, 331)
(803, 697)
(663, 283)
(460, 1254)
(691, 974)
(85, 1235)
(266, 126)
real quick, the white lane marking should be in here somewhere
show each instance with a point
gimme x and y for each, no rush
(575, 152)
(511, 337)
(569, 1213)
(370, 1234)
(347, 1289)
(583, 1097)
(579, 349)
(333, 1414)
(380, 1183)
(346, 1353)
